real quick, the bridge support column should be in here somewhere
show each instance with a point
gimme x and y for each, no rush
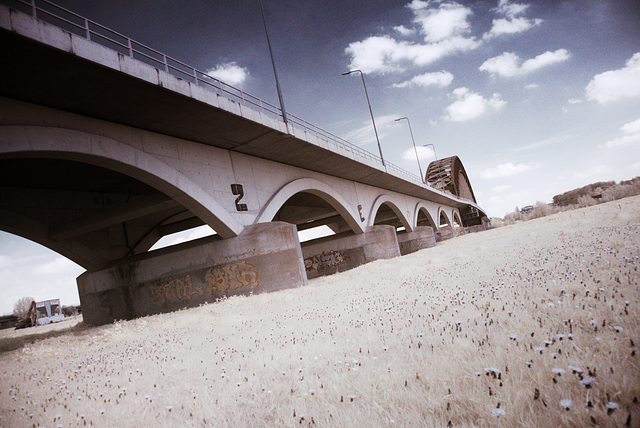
(445, 232)
(421, 237)
(265, 257)
(337, 254)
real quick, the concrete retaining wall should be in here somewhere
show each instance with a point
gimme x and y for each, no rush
(265, 258)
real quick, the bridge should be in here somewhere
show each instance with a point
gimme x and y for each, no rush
(107, 145)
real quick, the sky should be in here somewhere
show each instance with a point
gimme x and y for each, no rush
(535, 97)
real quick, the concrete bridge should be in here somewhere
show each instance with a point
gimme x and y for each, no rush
(107, 145)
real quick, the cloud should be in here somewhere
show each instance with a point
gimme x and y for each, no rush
(364, 135)
(444, 22)
(502, 188)
(470, 105)
(596, 172)
(532, 86)
(616, 84)
(424, 154)
(508, 64)
(229, 73)
(404, 31)
(632, 135)
(443, 26)
(505, 170)
(57, 266)
(5, 261)
(439, 79)
(511, 23)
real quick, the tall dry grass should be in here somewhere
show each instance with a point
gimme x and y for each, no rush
(534, 324)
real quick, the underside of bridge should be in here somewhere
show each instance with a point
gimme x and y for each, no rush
(308, 211)
(92, 215)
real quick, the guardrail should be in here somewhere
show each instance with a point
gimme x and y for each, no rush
(77, 24)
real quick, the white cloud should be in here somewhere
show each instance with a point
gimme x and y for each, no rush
(616, 84)
(424, 154)
(444, 22)
(439, 79)
(505, 170)
(502, 188)
(594, 173)
(4, 261)
(632, 135)
(532, 86)
(364, 135)
(508, 64)
(511, 23)
(404, 31)
(229, 72)
(470, 105)
(443, 26)
(58, 266)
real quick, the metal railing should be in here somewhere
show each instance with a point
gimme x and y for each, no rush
(79, 25)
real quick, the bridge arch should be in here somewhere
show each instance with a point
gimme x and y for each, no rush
(38, 143)
(456, 219)
(443, 219)
(422, 216)
(449, 175)
(316, 188)
(386, 200)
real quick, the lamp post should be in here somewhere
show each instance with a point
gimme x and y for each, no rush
(414, 145)
(273, 63)
(370, 111)
(434, 149)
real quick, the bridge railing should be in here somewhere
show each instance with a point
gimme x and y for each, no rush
(77, 24)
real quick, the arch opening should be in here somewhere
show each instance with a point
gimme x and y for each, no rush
(90, 214)
(313, 216)
(386, 215)
(444, 220)
(456, 220)
(424, 219)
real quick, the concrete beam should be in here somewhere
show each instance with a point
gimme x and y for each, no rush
(111, 216)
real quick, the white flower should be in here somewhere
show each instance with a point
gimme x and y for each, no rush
(566, 403)
(497, 412)
(558, 371)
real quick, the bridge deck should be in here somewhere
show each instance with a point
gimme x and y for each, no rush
(92, 80)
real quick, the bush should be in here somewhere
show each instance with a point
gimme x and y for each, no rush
(21, 307)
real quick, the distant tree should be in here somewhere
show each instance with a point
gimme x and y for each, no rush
(21, 307)
(68, 311)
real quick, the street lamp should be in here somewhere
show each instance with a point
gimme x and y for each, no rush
(273, 63)
(434, 150)
(370, 111)
(414, 146)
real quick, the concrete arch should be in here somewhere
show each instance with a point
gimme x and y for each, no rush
(443, 213)
(421, 206)
(385, 199)
(456, 219)
(84, 147)
(317, 188)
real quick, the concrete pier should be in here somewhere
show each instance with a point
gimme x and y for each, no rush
(421, 237)
(265, 257)
(340, 253)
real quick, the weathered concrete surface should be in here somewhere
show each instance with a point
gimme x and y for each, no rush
(266, 257)
(444, 233)
(421, 237)
(337, 254)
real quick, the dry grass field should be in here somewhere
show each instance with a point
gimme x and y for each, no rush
(534, 324)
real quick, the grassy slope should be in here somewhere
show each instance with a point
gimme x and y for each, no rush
(402, 342)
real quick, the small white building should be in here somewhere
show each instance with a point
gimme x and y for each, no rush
(49, 311)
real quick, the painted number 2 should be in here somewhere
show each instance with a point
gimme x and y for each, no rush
(237, 190)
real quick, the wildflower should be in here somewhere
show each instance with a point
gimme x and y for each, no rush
(617, 328)
(575, 370)
(611, 406)
(566, 403)
(558, 371)
(497, 412)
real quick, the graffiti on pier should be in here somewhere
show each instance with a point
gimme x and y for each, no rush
(323, 261)
(217, 280)
(232, 277)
